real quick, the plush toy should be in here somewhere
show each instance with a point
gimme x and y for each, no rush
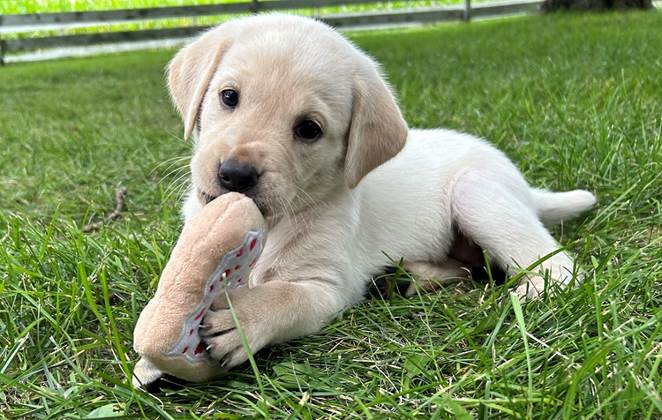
(216, 249)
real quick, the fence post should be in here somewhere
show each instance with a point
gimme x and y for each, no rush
(255, 5)
(467, 10)
(2, 45)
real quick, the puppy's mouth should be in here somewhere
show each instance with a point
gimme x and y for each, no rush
(207, 198)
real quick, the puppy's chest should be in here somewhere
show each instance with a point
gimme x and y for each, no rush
(290, 257)
(276, 261)
(273, 266)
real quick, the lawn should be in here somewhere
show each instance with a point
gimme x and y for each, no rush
(574, 100)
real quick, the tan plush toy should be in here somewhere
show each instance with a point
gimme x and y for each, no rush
(216, 249)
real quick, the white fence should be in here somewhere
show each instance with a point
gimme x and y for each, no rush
(13, 24)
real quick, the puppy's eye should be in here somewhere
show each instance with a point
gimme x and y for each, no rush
(308, 130)
(230, 97)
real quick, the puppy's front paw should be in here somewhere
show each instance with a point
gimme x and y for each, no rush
(220, 334)
(222, 338)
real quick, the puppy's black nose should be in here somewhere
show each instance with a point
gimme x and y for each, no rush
(235, 176)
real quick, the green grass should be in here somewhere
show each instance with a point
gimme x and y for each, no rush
(574, 100)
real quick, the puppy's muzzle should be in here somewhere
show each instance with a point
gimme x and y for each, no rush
(236, 176)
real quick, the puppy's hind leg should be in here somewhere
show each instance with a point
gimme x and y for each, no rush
(499, 216)
(430, 276)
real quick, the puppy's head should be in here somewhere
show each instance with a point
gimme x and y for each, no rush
(284, 110)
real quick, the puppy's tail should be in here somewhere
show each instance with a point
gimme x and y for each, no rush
(554, 207)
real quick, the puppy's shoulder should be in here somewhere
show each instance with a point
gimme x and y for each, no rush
(442, 137)
(454, 151)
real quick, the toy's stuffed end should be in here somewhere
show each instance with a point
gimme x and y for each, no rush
(216, 249)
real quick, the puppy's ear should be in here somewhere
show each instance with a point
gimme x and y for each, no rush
(377, 131)
(191, 71)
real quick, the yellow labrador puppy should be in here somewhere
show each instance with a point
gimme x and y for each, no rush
(287, 111)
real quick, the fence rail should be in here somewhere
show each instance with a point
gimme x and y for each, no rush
(127, 15)
(19, 23)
